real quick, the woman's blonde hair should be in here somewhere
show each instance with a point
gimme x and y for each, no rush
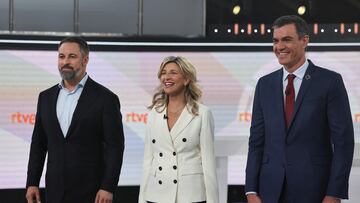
(193, 92)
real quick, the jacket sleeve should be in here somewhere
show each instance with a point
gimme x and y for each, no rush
(342, 136)
(147, 162)
(113, 136)
(256, 144)
(208, 157)
(38, 150)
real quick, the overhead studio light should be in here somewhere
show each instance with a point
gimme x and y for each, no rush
(236, 9)
(301, 10)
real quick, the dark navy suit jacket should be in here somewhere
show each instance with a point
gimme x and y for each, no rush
(315, 153)
(89, 158)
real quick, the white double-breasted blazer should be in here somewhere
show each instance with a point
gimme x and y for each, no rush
(179, 165)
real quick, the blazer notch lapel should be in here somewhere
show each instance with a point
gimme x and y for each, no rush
(184, 120)
(85, 101)
(305, 84)
(164, 127)
(279, 100)
(53, 102)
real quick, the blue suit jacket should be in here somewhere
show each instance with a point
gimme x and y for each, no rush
(315, 153)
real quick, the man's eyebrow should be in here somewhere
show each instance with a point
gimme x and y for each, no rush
(283, 38)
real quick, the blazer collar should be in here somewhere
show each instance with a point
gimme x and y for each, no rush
(85, 101)
(184, 119)
(279, 100)
(52, 110)
(305, 84)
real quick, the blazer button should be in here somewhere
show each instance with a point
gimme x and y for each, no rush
(160, 154)
(160, 182)
(174, 153)
(153, 141)
(175, 181)
(174, 167)
(184, 139)
(160, 168)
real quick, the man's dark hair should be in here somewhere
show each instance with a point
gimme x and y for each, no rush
(84, 48)
(302, 27)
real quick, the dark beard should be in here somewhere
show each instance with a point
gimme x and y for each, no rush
(68, 75)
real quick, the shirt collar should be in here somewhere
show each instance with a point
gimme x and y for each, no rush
(299, 73)
(81, 83)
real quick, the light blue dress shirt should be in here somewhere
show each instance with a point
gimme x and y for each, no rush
(66, 103)
(299, 76)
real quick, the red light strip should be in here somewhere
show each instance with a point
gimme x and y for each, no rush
(316, 28)
(236, 29)
(249, 29)
(356, 28)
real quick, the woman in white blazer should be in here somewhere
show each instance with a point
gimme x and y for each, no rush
(179, 161)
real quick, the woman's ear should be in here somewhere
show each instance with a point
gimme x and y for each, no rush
(187, 81)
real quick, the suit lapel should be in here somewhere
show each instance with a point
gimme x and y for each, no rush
(184, 120)
(53, 101)
(164, 127)
(279, 100)
(305, 84)
(85, 101)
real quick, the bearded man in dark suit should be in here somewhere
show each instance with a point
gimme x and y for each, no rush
(79, 126)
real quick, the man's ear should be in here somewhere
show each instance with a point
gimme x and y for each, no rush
(305, 40)
(85, 59)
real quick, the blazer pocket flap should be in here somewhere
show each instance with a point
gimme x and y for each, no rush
(192, 170)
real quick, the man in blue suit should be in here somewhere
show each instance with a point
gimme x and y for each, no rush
(301, 138)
